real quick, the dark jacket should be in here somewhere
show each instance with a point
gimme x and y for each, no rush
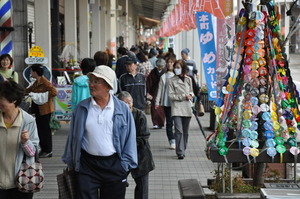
(120, 66)
(145, 160)
(136, 86)
(153, 81)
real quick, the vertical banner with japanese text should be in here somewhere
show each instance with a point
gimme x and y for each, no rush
(208, 51)
(224, 45)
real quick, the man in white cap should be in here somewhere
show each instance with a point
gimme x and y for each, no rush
(101, 145)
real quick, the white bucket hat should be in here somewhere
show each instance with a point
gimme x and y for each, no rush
(104, 72)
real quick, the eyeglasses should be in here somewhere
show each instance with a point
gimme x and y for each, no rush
(94, 81)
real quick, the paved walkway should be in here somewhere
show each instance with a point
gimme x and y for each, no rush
(163, 180)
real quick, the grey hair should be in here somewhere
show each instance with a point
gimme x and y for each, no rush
(161, 62)
(123, 95)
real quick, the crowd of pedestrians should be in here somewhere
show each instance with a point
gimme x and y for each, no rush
(108, 138)
(142, 75)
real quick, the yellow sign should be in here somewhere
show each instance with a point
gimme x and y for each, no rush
(36, 51)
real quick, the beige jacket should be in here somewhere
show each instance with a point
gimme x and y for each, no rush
(178, 90)
(160, 97)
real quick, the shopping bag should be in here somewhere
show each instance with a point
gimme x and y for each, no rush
(30, 178)
(66, 182)
(54, 123)
(199, 107)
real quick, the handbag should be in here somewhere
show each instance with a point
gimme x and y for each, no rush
(200, 108)
(66, 183)
(30, 178)
(25, 105)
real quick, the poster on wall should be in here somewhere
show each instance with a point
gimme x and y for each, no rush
(63, 103)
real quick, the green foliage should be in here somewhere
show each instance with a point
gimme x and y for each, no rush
(272, 174)
(238, 184)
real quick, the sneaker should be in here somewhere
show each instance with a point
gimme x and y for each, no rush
(173, 146)
(180, 157)
(46, 155)
(155, 127)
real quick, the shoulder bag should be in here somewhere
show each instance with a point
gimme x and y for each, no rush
(30, 178)
(66, 182)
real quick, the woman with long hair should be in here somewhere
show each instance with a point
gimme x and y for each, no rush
(181, 95)
(162, 99)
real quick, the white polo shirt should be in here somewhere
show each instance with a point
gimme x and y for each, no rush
(98, 137)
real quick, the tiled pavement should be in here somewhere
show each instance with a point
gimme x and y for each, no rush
(163, 181)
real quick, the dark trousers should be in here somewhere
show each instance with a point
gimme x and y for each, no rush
(141, 190)
(101, 173)
(14, 194)
(169, 123)
(44, 131)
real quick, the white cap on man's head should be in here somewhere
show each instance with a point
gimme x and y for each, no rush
(106, 73)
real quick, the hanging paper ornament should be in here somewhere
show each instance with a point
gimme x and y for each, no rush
(246, 132)
(280, 148)
(271, 151)
(292, 142)
(269, 134)
(246, 150)
(254, 143)
(254, 125)
(266, 116)
(294, 150)
(246, 141)
(253, 135)
(268, 126)
(270, 142)
(254, 152)
(223, 150)
(246, 123)
(265, 107)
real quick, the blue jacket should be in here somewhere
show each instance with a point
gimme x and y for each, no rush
(124, 135)
(80, 90)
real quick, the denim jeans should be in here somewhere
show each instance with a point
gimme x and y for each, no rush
(169, 124)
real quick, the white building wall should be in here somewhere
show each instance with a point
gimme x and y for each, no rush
(43, 27)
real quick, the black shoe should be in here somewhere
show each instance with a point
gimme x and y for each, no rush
(40, 153)
(180, 157)
(46, 155)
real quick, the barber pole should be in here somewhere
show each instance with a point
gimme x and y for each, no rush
(5, 27)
